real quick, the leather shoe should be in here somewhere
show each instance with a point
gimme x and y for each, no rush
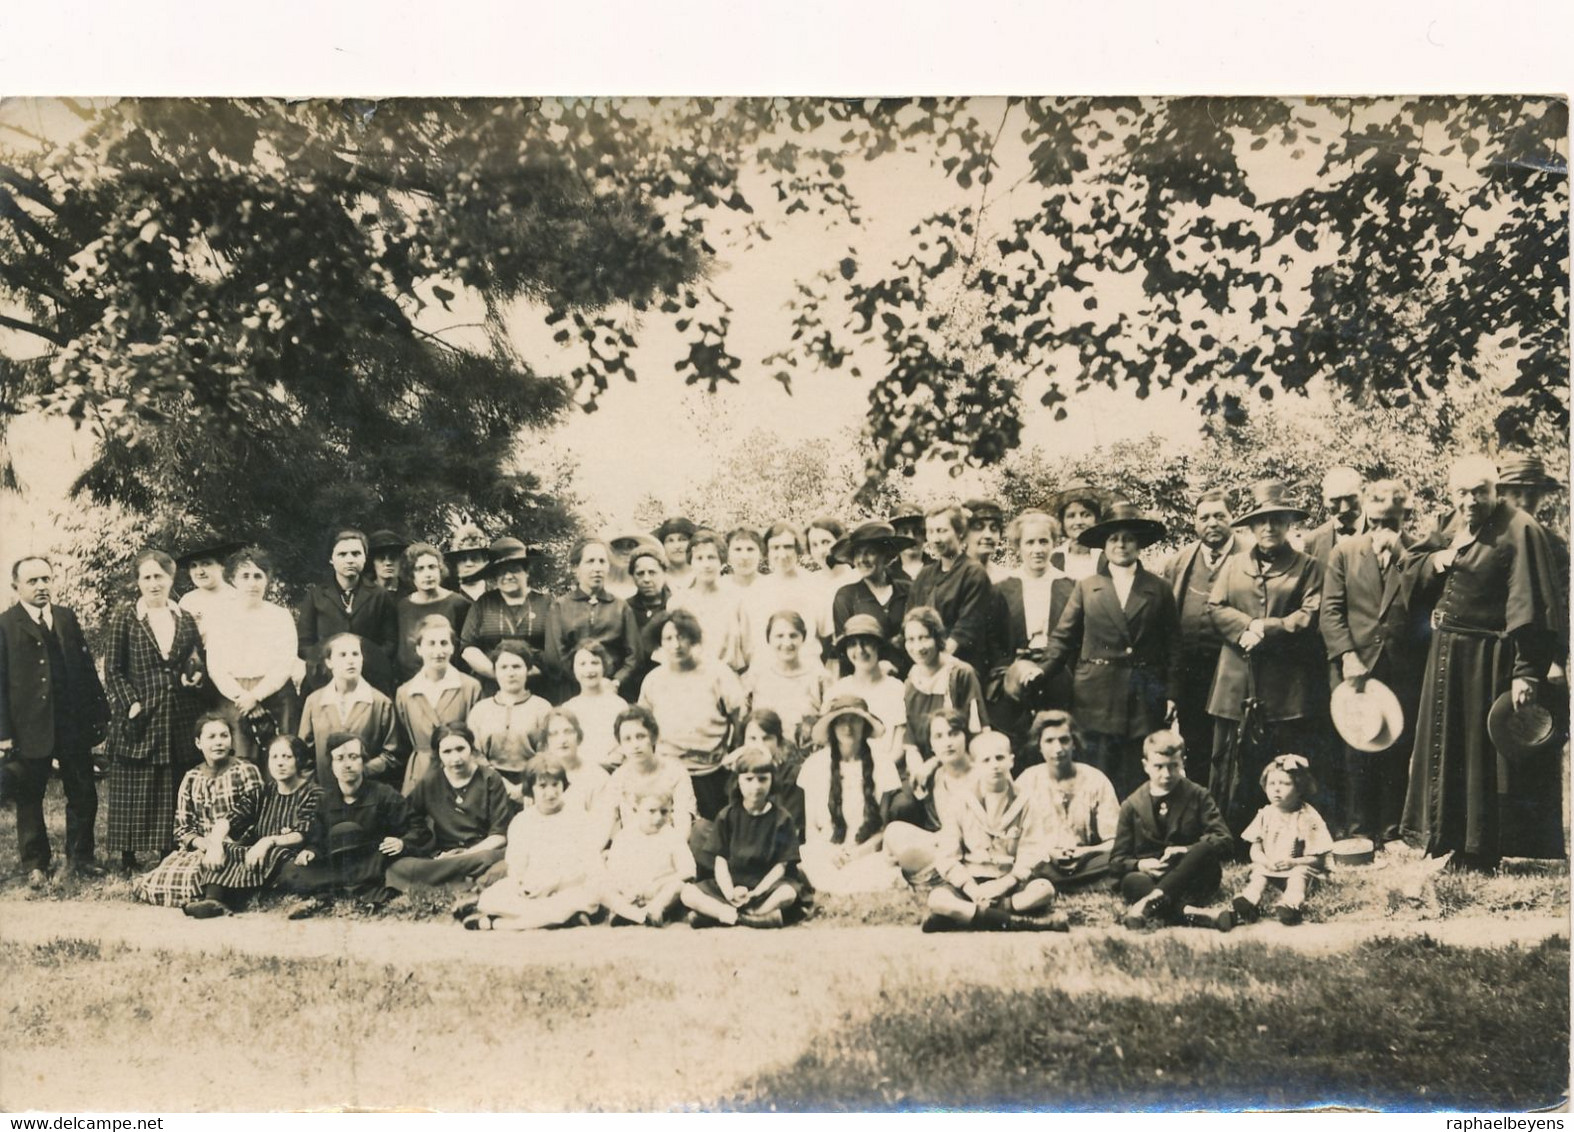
(37, 879)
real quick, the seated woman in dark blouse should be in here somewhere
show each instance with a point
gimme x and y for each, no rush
(467, 807)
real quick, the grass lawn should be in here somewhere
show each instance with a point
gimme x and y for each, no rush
(1396, 1024)
(1093, 1023)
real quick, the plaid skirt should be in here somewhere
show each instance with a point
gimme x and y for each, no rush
(175, 881)
(141, 806)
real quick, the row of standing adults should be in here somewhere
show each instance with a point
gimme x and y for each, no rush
(1232, 643)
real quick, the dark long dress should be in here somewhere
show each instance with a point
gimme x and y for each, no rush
(277, 814)
(492, 620)
(1286, 676)
(1498, 617)
(150, 753)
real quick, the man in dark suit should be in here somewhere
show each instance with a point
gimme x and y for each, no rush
(1121, 627)
(1191, 574)
(1342, 500)
(1371, 631)
(52, 710)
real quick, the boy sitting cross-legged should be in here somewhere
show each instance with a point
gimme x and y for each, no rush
(987, 855)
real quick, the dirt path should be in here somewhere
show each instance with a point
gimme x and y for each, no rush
(669, 951)
(696, 1014)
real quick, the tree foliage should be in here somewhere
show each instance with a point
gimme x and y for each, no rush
(246, 299)
(1298, 444)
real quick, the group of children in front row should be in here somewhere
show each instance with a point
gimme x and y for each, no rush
(992, 852)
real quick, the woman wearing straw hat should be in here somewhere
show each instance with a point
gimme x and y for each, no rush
(842, 786)
(1271, 683)
(864, 649)
(512, 612)
(1076, 508)
(1122, 626)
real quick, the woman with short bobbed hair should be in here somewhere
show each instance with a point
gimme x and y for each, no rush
(696, 702)
(427, 596)
(154, 676)
(1076, 803)
(936, 680)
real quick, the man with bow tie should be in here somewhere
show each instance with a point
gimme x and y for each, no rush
(52, 711)
(1489, 575)
(1371, 633)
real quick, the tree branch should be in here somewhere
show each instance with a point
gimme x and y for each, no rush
(28, 328)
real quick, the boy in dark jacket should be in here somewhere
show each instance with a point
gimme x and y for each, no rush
(1170, 843)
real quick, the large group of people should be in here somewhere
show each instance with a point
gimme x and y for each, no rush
(719, 725)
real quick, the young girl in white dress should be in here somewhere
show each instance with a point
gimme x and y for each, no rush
(1290, 842)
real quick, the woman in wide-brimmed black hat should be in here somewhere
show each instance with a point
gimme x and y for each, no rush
(1123, 631)
(1271, 686)
(514, 611)
(871, 549)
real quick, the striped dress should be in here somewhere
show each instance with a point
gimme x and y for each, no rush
(204, 800)
(277, 814)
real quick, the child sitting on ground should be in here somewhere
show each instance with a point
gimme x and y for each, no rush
(1170, 842)
(757, 881)
(647, 865)
(550, 862)
(1290, 842)
(987, 855)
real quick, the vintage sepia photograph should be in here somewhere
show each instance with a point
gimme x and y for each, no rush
(784, 604)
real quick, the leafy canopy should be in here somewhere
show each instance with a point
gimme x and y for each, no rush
(279, 316)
